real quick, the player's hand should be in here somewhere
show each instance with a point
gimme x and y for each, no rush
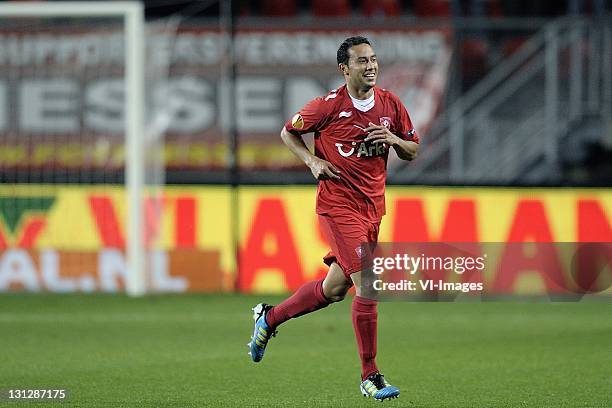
(323, 170)
(380, 134)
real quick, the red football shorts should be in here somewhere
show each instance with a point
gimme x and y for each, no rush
(346, 234)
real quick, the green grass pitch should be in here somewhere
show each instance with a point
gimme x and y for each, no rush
(190, 351)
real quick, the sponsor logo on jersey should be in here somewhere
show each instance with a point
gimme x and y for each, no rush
(347, 153)
(363, 150)
(344, 114)
(297, 121)
(386, 122)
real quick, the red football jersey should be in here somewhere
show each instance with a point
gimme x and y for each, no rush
(339, 132)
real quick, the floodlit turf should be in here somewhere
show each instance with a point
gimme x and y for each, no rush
(190, 351)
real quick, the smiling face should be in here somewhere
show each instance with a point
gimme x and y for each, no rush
(361, 70)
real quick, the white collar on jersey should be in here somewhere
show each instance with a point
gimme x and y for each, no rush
(363, 105)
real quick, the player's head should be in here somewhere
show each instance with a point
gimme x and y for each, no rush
(357, 62)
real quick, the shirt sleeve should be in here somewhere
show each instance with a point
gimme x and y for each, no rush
(406, 129)
(308, 119)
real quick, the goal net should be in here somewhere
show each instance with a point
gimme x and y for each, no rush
(74, 92)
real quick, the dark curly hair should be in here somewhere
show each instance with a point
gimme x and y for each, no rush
(343, 56)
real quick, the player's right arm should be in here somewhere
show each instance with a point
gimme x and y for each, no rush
(310, 118)
(320, 169)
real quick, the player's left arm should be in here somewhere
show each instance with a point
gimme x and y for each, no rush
(405, 149)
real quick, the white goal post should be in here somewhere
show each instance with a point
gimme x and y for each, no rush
(132, 13)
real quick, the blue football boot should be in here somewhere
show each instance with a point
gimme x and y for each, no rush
(261, 333)
(376, 386)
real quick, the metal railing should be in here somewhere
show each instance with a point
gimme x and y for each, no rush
(509, 128)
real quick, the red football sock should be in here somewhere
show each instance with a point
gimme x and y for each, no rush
(308, 298)
(365, 321)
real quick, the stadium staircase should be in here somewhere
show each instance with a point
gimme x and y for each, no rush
(528, 117)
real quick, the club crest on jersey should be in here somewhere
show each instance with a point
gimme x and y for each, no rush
(386, 122)
(297, 121)
(344, 114)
